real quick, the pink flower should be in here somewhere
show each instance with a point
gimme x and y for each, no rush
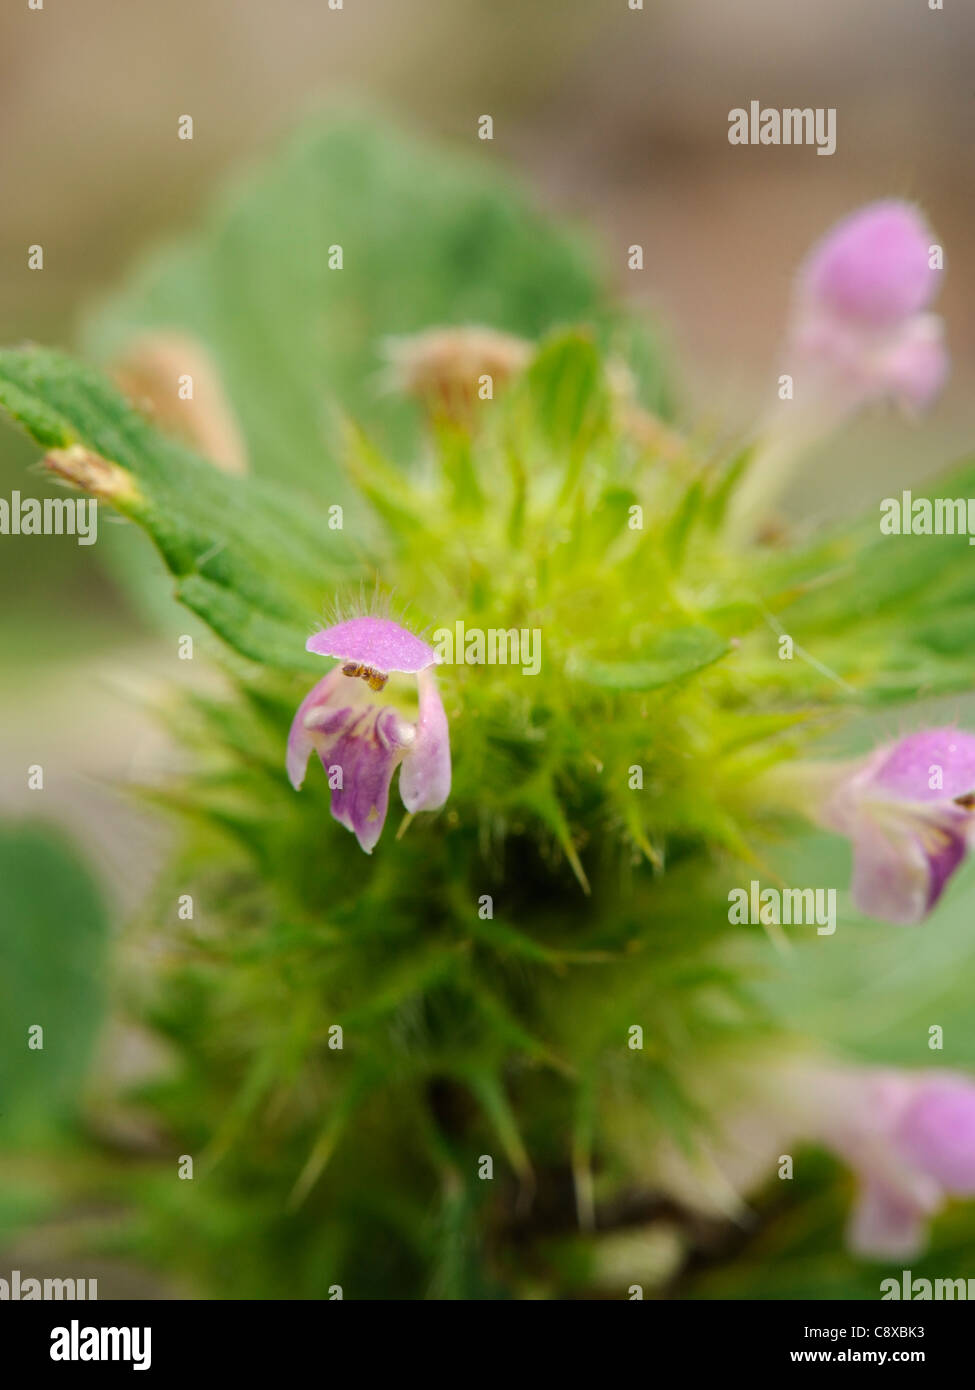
(873, 267)
(860, 331)
(908, 1137)
(907, 809)
(911, 1141)
(361, 740)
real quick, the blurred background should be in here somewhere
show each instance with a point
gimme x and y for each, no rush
(614, 119)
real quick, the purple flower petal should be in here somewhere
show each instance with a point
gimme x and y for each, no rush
(859, 332)
(872, 268)
(945, 852)
(858, 1114)
(907, 770)
(903, 857)
(367, 749)
(906, 809)
(301, 739)
(363, 740)
(424, 782)
(376, 642)
(886, 1224)
(937, 1132)
(891, 879)
(914, 367)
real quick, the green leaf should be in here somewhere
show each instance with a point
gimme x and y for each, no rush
(53, 948)
(568, 392)
(683, 523)
(253, 564)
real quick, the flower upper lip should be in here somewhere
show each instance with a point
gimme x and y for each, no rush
(378, 642)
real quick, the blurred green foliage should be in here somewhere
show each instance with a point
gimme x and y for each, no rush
(53, 974)
(426, 241)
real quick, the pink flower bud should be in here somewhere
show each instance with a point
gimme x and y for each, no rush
(873, 268)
